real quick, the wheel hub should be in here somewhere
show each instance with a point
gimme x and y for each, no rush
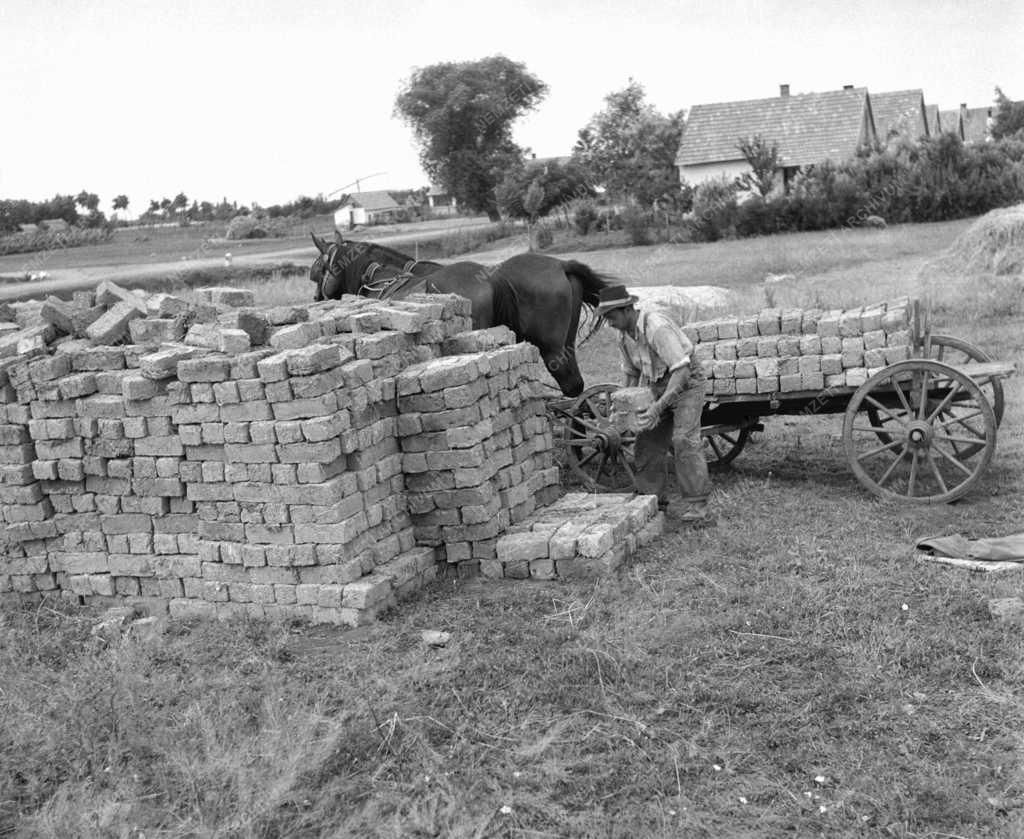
(920, 434)
(609, 441)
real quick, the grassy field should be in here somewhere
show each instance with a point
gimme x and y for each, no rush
(150, 245)
(792, 673)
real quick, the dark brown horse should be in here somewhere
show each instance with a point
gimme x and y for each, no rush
(538, 297)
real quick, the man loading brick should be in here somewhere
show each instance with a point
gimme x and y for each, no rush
(657, 354)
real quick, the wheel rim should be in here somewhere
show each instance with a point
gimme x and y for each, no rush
(940, 430)
(955, 352)
(722, 447)
(598, 455)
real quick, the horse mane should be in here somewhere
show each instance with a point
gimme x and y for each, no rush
(374, 249)
(505, 305)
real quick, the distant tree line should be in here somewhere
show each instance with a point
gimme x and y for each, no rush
(82, 210)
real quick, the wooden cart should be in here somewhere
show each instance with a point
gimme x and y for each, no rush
(921, 431)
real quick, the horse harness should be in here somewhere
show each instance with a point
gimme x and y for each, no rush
(368, 286)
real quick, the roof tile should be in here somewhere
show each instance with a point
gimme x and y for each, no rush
(976, 124)
(899, 112)
(808, 128)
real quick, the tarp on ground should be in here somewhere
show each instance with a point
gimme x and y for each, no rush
(1000, 553)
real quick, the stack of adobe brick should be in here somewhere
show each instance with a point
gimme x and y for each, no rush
(478, 452)
(26, 511)
(293, 464)
(215, 459)
(221, 459)
(790, 350)
(581, 535)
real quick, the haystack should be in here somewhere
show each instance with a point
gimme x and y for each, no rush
(994, 244)
(985, 261)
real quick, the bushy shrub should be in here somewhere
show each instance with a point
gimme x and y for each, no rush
(247, 227)
(759, 216)
(44, 240)
(637, 223)
(715, 209)
(584, 217)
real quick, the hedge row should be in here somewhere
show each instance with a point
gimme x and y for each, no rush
(934, 180)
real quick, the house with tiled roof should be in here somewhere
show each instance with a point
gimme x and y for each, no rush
(900, 113)
(366, 208)
(977, 123)
(932, 118)
(808, 128)
(951, 123)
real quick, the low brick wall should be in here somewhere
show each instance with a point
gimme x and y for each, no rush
(316, 461)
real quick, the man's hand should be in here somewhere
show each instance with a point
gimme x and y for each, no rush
(649, 417)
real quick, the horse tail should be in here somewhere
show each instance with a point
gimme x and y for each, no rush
(590, 281)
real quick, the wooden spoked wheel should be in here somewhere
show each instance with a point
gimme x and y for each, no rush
(939, 426)
(598, 455)
(723, 444)
(957, 353)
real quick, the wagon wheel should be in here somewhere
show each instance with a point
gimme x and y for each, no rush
(723, 444)
(957, 352)
(940, 426)
(598, 455)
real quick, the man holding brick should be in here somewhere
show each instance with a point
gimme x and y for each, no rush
(657, 354)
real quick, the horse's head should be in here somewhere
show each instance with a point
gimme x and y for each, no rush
(336, 269)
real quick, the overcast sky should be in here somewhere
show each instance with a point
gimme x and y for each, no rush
(266, 100)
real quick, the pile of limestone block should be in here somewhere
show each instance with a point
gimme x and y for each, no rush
(791, 350)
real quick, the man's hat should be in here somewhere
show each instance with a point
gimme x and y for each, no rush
(614, 297)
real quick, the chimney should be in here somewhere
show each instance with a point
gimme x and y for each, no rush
(847, 87)
(783, 90)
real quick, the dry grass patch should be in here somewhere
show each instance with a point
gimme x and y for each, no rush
(793, 672)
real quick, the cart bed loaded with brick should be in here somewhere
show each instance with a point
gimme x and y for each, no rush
(920, 410)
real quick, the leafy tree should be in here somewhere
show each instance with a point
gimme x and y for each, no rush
(87, 200)
(120, 202)
(561, 185)
(763, 159)
(461, 114)
(630, 148)
(154, 207)
(1009, 117)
